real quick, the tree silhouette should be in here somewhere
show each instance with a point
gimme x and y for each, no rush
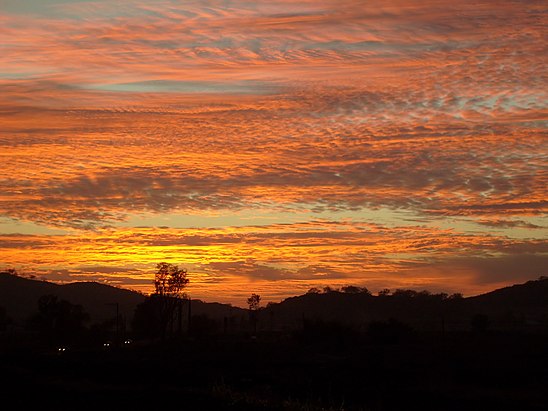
(158, 312)
(254, 303)
(147, 318)
(58, 320)
(169, 283)
(351, 289)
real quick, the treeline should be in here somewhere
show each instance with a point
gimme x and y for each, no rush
(327, 315)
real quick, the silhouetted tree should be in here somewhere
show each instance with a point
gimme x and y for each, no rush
(170, 281)
(404, 293)
(147, 318)
(59, 320)
(384, 293)
(351, 289)
(254, 303)
(10, 271)
(157, 313)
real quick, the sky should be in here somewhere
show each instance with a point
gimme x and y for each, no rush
(273, 146)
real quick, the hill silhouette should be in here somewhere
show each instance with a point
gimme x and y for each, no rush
(519, 305)
(515, 306)
(527, 297)
(319, 351)
(19, 296)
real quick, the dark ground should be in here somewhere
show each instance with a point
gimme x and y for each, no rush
(466, 371)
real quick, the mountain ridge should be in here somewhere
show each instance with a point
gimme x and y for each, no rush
(527, 302)
(19, 297)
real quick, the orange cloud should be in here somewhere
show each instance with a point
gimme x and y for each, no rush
(315, 110)
(309, 253)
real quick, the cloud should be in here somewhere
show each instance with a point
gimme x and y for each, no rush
(499, 223)
(273, 150)
(289, 255)
(497, 270)
(249, 269)
(316, 108)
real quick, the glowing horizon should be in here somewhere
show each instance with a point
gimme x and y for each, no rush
(271, 147)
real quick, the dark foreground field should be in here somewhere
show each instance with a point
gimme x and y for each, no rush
(492, 371)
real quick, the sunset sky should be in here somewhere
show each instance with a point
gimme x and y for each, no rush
(274, 146)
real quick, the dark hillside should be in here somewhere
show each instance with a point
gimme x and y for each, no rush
(19, 297)
(518, 305)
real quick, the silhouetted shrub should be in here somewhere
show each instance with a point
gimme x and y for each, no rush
(384, 293)
(147, 319)
(351, 289)
(58, 321)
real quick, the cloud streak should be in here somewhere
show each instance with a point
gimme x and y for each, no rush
(291, 256)
(317, 109)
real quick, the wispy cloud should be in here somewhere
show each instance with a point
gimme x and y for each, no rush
(310, 253)
(316, 108)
